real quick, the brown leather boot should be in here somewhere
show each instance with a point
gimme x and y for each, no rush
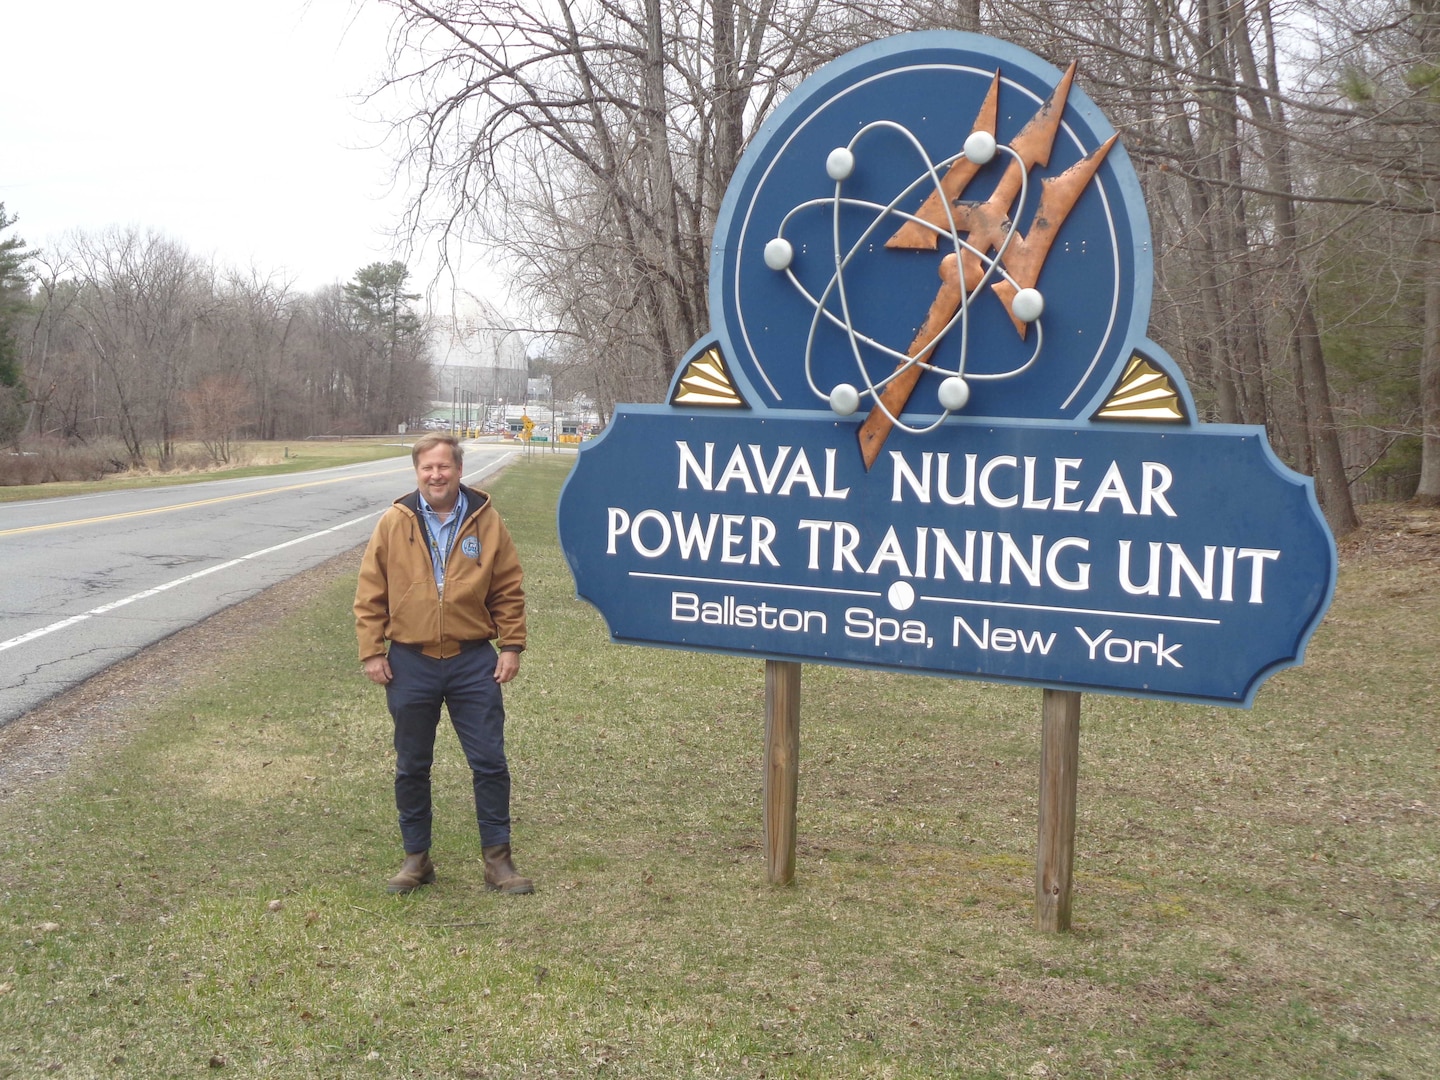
(416, 870)
(500, 872)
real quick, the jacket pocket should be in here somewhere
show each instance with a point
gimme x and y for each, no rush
(415, 616)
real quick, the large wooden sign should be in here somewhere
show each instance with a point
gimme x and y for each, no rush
(927, 432)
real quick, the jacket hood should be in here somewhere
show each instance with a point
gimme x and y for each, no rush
(475, 501)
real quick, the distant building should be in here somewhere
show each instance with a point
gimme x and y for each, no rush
(479, 359)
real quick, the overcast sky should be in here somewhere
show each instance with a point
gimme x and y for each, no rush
(231, 128)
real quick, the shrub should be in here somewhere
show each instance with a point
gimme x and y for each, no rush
(46, 461)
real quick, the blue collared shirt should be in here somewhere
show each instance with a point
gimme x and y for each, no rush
(441, 538)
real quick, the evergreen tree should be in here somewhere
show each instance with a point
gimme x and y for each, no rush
(390, 381)
(378, 297)
(14, 297)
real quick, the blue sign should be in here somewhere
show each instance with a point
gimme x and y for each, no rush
(927, 433)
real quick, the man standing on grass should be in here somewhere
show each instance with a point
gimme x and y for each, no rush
(441, 582)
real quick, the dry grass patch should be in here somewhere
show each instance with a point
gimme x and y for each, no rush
(87, 471)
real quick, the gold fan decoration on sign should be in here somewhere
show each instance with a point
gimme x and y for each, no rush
(1144, 392)
(707, 382)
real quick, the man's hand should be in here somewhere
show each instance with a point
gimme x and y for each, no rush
(507, 666)
(377, 669)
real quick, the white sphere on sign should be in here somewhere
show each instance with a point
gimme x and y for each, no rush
(954, 394)
(1028, 305)
(901, 595)
(844, 399)
(840, 164)
(979, 147)
(779, 253)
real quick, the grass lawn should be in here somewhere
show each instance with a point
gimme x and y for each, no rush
(1256, 891)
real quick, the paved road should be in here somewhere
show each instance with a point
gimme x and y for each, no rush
(89, 580)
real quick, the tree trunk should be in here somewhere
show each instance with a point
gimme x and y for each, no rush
(1323, 434)
(1216, 232)
(1428, 491)
(1426, 14)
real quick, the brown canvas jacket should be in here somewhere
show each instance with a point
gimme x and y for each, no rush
(396, 599)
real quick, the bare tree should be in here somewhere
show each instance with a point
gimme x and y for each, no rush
(1260, 86)
(251, 328)
(1220, 142)
(1374, 87)
(131, 337)
(1423, 27)
(141, 297)
(216, 410)
(590, 144)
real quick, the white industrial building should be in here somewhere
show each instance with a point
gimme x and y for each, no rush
(480, 361)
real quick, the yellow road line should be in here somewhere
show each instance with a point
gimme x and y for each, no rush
(184, 506)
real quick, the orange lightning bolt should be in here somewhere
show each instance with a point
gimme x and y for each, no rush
(987, 225)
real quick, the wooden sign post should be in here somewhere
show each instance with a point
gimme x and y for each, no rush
(1059, 772)
(782, 767)
(1059, 769)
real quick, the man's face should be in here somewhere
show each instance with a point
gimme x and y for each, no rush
(438, 478)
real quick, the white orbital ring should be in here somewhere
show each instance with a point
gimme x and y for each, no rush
(840, 164)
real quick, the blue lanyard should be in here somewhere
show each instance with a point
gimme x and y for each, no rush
(449, 530)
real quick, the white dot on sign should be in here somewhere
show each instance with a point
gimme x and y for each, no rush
(1028, 305)
(979, 147)
(901, 595)
(779, 253)
(844, 399)
(840, 164)
(954, 393)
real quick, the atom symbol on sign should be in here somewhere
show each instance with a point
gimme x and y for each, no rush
(958, 289)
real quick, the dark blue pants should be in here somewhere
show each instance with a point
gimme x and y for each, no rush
(466, 685)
